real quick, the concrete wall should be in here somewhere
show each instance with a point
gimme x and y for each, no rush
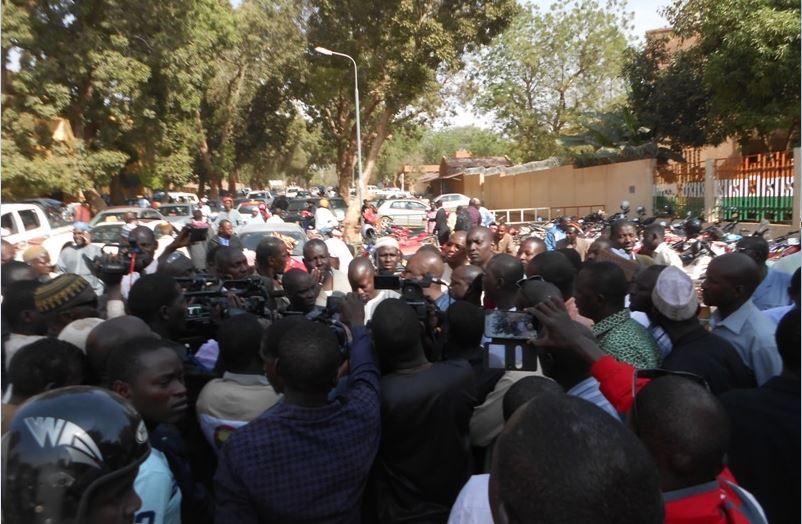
(565, 188)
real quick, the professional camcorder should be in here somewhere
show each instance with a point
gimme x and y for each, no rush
(209, 298)
(411, 291)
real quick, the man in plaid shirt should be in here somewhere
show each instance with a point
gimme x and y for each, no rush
(306, 459)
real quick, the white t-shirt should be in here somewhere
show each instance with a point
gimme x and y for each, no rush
(373, 303)
(156, 486)
(473, 503)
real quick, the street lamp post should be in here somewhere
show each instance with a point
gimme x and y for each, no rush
(328, 52)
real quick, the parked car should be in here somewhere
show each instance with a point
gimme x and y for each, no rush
(294, 209)
(265, 196)
(404, 212)
(251, 234)
(26, 225)
(110, 232)
(452, 200)
(338, 206)
(178, 214)
(116, 214)
(178, 197)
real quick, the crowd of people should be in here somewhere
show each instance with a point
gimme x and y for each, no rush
(150, 387)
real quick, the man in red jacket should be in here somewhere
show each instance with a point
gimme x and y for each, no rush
(682, 424)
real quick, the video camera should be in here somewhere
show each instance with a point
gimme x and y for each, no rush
(117, 259)
(209, 297)
(411, 291)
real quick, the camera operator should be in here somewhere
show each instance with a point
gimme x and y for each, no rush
(231, 263)
(424, 456)
(421, 263)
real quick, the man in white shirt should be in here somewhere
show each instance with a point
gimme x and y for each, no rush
(325, 220)
(653, 244)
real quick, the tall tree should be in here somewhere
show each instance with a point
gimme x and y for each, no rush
(129, 81)
(248, 107)
(400, 46)
(548, 68)
(668, 95)
(751, 55)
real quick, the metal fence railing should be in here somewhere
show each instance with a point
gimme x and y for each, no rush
(756, 187)
(522, 215)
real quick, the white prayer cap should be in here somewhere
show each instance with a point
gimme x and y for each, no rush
(674, 295)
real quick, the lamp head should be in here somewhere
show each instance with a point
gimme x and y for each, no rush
(323, 51)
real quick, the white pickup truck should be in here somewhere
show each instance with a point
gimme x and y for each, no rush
(26, 225)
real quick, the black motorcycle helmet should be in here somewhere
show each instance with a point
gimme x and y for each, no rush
(692, 226)
(62, 446)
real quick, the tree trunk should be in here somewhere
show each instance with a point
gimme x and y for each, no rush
(206, 160)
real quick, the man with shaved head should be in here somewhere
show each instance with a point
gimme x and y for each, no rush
(466, 284)
(108, 335)
(426, 262)
(360, 276)
(530, 248)
(480, 246)
(501, 275)
(731, 279)
(302, 290)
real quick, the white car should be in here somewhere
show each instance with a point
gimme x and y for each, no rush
(453, 200)
(404, 212)
(251, 234)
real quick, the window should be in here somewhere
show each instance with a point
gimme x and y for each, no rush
(416, 206)
(151, 215)
(398, 205)
(9, 224)
(29, 219)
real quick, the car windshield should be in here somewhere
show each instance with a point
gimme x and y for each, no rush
(251, 239)
(175, 211)
(297, 205)
(107, 234)
(110, 216)
(338, 203)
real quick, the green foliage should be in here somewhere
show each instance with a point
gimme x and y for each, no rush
(400, 47)
(128, 79)
(750, 50)
(548, 68)
(437, 144)
(614, 136)
(669, 96)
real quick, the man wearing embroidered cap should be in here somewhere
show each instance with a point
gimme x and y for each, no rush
(66, 298)
(77, 257)
(694, 349)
